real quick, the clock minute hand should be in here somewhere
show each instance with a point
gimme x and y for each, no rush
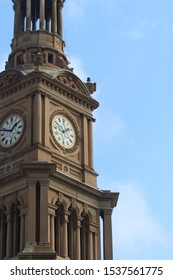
(60, 127)
(15, 125)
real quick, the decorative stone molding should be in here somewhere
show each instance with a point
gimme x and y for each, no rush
(8, 78)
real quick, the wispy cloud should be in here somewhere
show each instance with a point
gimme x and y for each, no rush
(135, 227)
(78, 8)
(78, 65)
(112, 126)
(136, 29)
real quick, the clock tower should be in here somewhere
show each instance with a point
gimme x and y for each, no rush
(50, 204)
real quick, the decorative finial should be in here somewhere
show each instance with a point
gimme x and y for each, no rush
(91, 86)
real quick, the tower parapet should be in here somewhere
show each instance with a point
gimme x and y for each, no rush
(37, 23)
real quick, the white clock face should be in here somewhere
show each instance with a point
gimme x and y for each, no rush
(64, 131)
(11, 130)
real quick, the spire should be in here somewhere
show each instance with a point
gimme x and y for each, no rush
(37, 25)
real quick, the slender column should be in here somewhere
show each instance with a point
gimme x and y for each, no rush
(52, 235)
(65, 237)
(15, 17)
(98, 245)
(60, 6)
(22, 232)
(107, 234)
(71, 240)
(90, 143)
(46, 121)
(90, 246)
(31, 212)
(42, 14)
(9, 238)
(28, 15)
(95, 247)
(54, 16)
(37, 118)
(85, 140)
(78, 241)
(58, 234)
(34, 17)
(48, 24)
(44, 211)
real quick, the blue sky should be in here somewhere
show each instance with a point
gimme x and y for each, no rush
(126, 47)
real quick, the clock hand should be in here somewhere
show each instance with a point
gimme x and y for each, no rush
(3, 129)
(60, 127)
(15, 125)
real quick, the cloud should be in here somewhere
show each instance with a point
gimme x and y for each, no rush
(136, 230)
(78, 65)
(111, 126)
(135, 226)
(78, 9)
(138, 28)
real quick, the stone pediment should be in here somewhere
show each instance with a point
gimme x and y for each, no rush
(71, 80)
(7, 77)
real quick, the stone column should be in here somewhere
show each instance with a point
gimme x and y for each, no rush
(15, 17)
(65, 245)
(60, 6)
(28, 15)
(9, 237)
(22, 232)
(54, 16)
(90, 143)
(46, 122)
(48, 24)
(90, 246)
(44, 212)
(78, 241)
(85, 140)
(52, 233)
(37, 116)
(18, 24)
(31, 212)
(107, 234)
(42, 14)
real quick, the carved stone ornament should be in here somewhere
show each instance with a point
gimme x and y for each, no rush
(8, 78)
(68, 80)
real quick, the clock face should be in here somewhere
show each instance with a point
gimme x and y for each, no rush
(63, 131)
(11, 130)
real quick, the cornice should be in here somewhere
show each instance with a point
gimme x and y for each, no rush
(30, 82)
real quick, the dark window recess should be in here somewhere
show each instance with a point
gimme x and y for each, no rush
(50, 58)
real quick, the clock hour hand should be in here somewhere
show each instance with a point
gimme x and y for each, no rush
(6, 130)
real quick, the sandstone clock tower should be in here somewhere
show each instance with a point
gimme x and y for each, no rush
(50, 205)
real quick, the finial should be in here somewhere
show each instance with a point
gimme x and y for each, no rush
(91, 86)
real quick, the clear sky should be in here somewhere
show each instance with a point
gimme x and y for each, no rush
(126, 46)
